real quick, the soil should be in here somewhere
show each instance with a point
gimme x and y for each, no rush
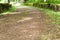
(27, 24)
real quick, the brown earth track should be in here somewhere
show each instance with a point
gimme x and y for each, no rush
(27, 24)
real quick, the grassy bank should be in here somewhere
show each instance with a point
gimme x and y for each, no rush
(55, 16)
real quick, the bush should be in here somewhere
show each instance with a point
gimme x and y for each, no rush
(54, 7)
(50, 4)
(4, 7)
(42, 5)
(53, 1)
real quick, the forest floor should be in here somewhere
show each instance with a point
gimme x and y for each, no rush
(27, 24)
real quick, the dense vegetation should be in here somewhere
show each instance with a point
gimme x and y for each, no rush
(51, 4)
(46, 1)
(4, 7)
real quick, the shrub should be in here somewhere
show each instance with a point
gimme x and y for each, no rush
(4, 7)
(54, 7)
(50, 4)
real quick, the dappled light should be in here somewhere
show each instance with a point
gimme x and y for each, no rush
(25, 19)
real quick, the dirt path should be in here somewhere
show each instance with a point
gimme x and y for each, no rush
(27, 24)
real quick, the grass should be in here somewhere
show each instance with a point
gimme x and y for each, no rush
(43, 37)
(12, 8)
(55, 16)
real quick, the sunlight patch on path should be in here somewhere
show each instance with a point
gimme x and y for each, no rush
(25, 19)
(15, 12)
(19, 5)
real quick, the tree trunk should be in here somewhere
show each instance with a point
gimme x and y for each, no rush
(8, 1)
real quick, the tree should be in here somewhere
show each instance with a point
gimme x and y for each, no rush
(8, 1)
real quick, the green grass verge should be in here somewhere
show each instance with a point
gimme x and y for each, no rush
(55, 16)
(13, 8)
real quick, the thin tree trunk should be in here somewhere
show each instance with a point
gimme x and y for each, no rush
(8, 1)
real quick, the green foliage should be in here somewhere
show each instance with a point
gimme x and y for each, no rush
(53, 1)
(4, 7)
(34, 1)
(55, 16)
(54, 7)
(12, 8)
(30, 1)
(51, 4)
(42, 1)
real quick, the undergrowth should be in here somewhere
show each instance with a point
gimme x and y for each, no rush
(10, 10)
